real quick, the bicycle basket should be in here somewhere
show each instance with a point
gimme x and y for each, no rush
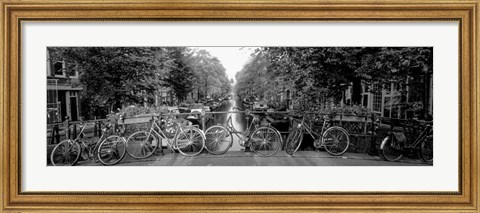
(399, 136)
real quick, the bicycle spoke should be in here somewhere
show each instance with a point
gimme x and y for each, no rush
(195, 146)
(271, 136)
(264, 141)
(224, 134)
(261, 148)
(197, 136)
(192, 134)
(191, 142)
(142, 145)
(257, 147)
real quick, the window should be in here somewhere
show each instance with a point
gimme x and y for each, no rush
(377, 97)
(58, 68)
(365, 100)
(53, 103)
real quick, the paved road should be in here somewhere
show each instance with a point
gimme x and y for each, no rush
(240, 158)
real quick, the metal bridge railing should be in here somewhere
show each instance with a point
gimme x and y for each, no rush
(363, 126)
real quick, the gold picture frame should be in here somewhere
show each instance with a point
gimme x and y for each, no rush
(14, 12)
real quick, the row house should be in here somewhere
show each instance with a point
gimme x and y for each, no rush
(63, 99)
(388, 100)
(392, 100)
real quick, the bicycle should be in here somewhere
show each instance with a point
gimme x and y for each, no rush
(108, 150)
(334, 139)
(188, 140)
(396, 144)
(263, 140)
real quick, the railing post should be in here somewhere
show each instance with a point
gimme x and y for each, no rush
(99, 128)
(202, 114)
(373, 143)
(54, 136)
(341, 118)
(95, 129)
(115, 126)
(74, 131)
(57, 133)
(67, 128)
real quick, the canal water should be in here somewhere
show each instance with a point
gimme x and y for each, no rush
(238, 119)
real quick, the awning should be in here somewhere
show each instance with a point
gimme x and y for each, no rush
(63, 87)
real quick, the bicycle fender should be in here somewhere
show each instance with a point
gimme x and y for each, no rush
(384, 141)
(278, 132)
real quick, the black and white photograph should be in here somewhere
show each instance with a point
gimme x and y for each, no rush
(249, 106)
(240, 106)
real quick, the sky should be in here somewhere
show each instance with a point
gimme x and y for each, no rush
(232, 58)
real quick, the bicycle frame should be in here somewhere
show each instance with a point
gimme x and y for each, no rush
(91, 151)
(170, 141)
(393, 148)
(417, 141)
(423, 134)
(262, 139)
(247, 133)
(232, 129)
(308, 128)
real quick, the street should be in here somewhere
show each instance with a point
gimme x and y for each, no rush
(240, 158)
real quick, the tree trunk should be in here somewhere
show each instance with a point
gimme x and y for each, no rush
(206, 88)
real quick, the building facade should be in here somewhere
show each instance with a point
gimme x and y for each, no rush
(63, 99)
(394, 100)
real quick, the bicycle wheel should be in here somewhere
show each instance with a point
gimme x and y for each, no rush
(336, 140)
(142, 144)
(390, 149)
(294, 140)
(426, 149)
(112, 150)
(190, 142)
(265, 141)
(66, 153)
(218, 140)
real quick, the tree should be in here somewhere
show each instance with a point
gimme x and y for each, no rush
(320, 73)
(181, 77)
(110, 75)
(211, 77)
(119, 76)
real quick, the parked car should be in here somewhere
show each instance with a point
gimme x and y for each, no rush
(260, 106)
(173, 109)
(207, 108)
(214, 105)
(184, 107)
(197, 107)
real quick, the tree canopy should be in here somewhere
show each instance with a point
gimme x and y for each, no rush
(118, 76)
(313, 72)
